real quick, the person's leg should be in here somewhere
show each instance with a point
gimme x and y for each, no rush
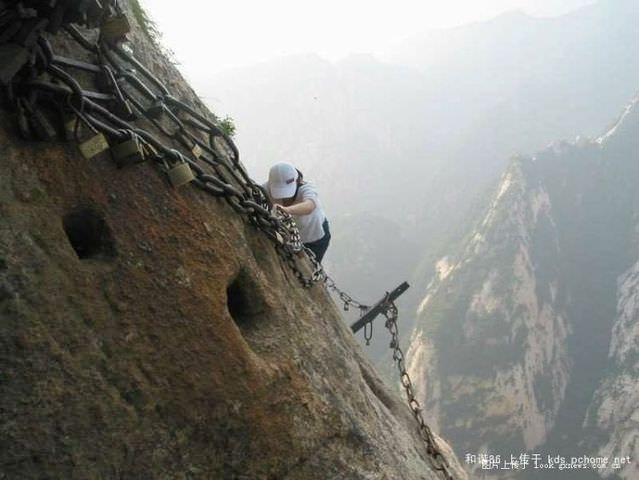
(320, 246)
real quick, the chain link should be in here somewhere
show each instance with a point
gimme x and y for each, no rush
(346, 299)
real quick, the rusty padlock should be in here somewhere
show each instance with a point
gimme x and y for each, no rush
(129, 152)
(115, 28)
(94, 146)
(197, 151)
(180, 174)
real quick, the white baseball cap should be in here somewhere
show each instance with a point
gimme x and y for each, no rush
(282, 180)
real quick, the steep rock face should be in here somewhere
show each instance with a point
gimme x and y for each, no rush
(526, 338)
(496, 327)
(615, 406)
(150, 333)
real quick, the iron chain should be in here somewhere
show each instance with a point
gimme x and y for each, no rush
(437, 459)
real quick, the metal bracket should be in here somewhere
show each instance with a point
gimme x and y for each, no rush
(379, 307)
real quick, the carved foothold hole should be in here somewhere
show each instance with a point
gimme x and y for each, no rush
(245, 303)
(89, 234)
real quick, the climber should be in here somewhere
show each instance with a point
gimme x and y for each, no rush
(291, 194)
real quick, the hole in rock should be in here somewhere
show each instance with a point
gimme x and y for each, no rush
(245, 301)
(89, 234)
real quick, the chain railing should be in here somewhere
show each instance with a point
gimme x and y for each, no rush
(437, 459)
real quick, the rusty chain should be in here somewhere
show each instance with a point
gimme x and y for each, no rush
(435, 455)
(33, 78)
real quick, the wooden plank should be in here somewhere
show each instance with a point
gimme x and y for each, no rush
(378, 308)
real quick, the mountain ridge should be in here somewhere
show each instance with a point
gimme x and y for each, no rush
(420, 147)
(523, 330)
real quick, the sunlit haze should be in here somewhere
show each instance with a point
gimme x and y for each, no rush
(213, 36)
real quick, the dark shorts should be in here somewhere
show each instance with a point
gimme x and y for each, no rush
(319, 247)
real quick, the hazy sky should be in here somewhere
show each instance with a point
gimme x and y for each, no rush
(210, 36)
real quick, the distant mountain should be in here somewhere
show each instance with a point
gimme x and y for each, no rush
(527, 338)
(418, 143)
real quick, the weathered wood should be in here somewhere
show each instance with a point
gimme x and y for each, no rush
(378, 308)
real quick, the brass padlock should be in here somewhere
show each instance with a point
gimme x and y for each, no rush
(115, 28)
(128, 152)
(94, 146)
(180, 174)
(197, 151)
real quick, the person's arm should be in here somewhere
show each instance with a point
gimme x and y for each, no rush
(303, 208)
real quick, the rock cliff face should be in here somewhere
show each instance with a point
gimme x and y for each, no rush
(496, 326)
(527, 337)
(615, 406)
(148, 332)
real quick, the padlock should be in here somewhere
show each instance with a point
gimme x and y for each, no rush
(128, 152)
(180, 174)
(12, 59)
(197, 151)
(115, 28)
(94, 146)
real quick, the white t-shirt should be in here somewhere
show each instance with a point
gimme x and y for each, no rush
(311, 225)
